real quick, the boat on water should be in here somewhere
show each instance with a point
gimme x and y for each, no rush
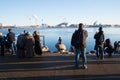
(35, 26)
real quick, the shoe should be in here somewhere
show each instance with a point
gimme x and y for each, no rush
(84, 67)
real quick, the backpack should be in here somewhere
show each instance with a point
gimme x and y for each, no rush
(10, 37)
(101, 38)
(77, 39)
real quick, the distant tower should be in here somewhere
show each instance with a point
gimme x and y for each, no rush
(1, 25)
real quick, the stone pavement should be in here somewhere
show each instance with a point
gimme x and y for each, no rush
(53, 66)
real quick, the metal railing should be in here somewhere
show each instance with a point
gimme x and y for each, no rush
(42, 40)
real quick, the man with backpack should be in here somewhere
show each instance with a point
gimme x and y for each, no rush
(10, 37)
(78, 42)
(99, 43)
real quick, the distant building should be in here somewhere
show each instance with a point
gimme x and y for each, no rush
(73, 26)
(1, 25)
(62, 25)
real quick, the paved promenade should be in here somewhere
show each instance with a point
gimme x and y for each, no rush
(51, 66)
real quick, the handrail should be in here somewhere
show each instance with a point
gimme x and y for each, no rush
(43, 40)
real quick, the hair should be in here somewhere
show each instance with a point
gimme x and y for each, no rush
(9, 29)
(80, 26)
(24, 31)
(100, 28)
(108, 40)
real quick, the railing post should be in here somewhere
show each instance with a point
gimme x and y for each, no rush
(43, 40)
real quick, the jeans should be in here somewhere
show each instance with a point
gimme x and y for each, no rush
(99, 51)
(80, 53)
(13, 47)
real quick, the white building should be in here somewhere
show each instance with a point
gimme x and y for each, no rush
(1, 25)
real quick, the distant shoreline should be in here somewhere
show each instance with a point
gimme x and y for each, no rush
(86, 26)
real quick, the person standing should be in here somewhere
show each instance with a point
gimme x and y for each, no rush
(11, 40)
(29, 45)
(99, 43)
(37, 48)
(115, 47)
(21, 45)
(78, 42)
(2, 43)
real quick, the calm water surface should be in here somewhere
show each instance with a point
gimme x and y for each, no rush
(52, 35)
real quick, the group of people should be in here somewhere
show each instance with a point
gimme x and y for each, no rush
(117, 47)
(27, 45)
(102, 46)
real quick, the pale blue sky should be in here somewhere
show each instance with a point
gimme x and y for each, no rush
(53, 12)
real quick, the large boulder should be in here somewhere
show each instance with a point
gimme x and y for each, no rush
(60, 47)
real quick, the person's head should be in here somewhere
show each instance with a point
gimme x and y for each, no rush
(100, 28)
(36, 33)
(118, 41)
(81, 26)
(27, 33)
(107, 40)
(24, 31)
(60, 39)
(9, 30)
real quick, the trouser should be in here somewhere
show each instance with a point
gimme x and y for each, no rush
(13, 47)
(99, 51)
(80, 52)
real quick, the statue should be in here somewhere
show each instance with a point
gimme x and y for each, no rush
(60, 46)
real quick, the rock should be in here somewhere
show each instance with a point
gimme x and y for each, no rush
(45, 49)
(61, 47)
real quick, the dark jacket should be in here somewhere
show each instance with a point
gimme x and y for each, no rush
(10, 37)
(108, 46)
(97, 37)
(29, 45)
(38, 49)
(79, 39)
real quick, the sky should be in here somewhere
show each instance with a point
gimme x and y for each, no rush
(53, 12)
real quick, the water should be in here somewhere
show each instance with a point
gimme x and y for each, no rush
(52, 35)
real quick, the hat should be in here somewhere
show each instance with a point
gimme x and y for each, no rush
(27, 33)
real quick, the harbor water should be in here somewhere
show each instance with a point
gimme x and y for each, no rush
(52, 35)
